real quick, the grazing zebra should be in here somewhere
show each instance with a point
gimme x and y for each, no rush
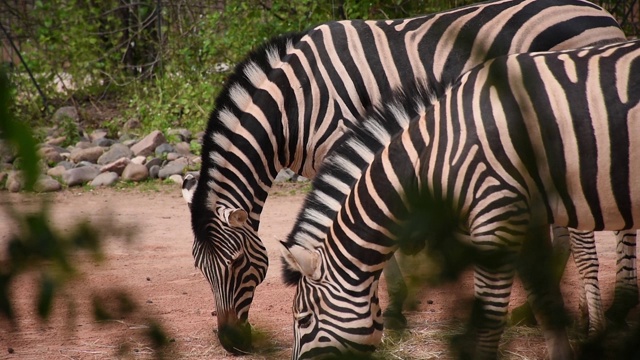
(294, 97)
(519, 143)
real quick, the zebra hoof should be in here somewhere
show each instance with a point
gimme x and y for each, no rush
(235, 339)
(394, 320)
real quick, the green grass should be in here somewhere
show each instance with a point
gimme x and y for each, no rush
(289, 188)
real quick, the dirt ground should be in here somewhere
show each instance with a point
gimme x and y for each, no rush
(157, 271)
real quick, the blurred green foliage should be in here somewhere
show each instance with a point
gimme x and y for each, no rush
(37, 248)
(17, 135)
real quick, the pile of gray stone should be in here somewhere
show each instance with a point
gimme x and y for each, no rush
(97, 160)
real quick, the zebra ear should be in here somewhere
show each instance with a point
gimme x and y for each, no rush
(304, 260)
(237, 217)
(233, 217)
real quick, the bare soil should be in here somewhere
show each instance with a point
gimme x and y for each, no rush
(156, 270)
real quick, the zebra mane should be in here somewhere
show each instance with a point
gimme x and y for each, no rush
(346, 163)
(262, 58)
(259, 59)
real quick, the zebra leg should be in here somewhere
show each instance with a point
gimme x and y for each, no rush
(537, 267)
(583, 246)
(523, 314)
(397, 290)
(492, 287)
(626, 291)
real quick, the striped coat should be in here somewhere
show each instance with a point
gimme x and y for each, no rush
(289, 102)
(519, 143)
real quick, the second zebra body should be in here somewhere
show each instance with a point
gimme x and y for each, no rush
(520, 143)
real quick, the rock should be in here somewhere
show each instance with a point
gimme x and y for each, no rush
(57, 171)
(163, 149)
(182, 148)
(182, 134)
(154, 171)
(114, 153)
(147, 145)
(153, 162)
(176, 178)
(116, 166)
(56, 140)
(64, 114)
(198, 137)
(51, 154)
(132, 123)
(7, 154)
(91, 154)
(80, 175)
(180, 160)
(221, 67)
(97, 135)
(135, 172)
(105, 179)
(129, 143)
(126, 137)
(172, 168)
(173, 156)
(66, 155)
(3, 178)
(104, 142)
(139, 160)
(84, 163)
(47, 184)
(83, 145)
(284, 175)
(66, 164)
(17, 163)
(14, 181)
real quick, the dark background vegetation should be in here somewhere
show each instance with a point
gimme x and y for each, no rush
(162, 62)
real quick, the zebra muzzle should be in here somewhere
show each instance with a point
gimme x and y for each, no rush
(235, 337)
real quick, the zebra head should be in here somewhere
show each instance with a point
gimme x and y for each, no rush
(331, 318)
(232, 258)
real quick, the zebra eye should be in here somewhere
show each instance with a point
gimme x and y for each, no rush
(305, 321)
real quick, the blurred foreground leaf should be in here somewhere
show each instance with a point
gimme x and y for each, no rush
(36, 247)
(18, 136)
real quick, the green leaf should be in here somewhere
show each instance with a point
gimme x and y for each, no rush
(18, 135)
(45, 298)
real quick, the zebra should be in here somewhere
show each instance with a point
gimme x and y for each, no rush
(520, 142)
(294, 97)
(583, 247)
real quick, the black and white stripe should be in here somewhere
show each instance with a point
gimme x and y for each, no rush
(515, 146)
(289, 102)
